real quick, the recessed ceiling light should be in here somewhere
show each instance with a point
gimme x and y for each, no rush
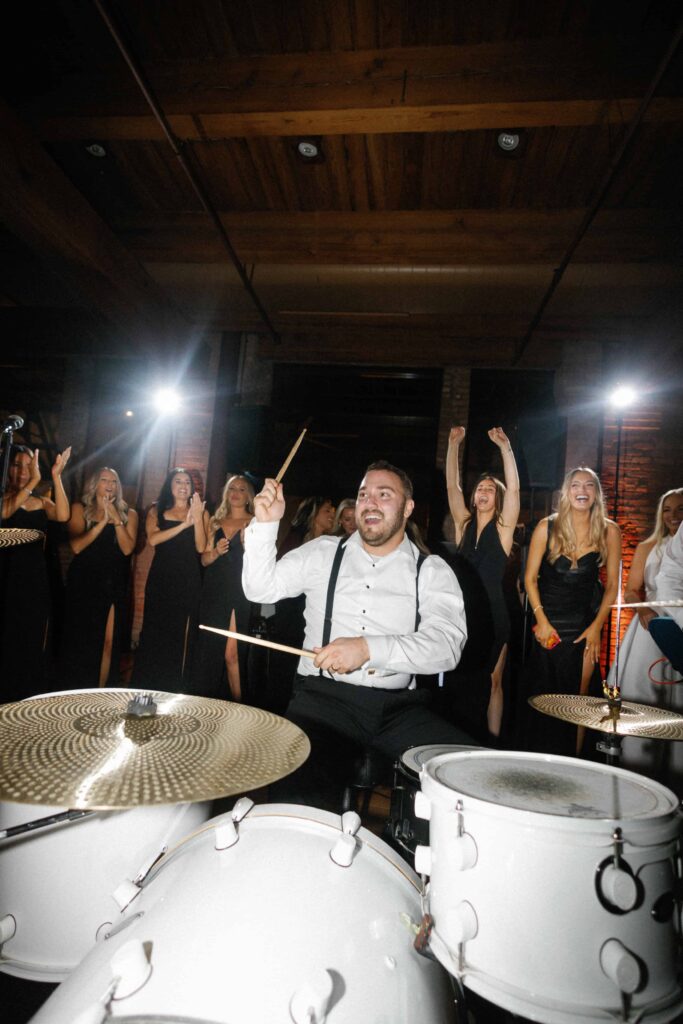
(309, 149)
(508, 141)
(96, 150)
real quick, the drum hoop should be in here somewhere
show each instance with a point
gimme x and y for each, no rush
(669, 812)
(291, 812)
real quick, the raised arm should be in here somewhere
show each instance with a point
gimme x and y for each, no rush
(59, 509)
(456, 501)
(263, 579)
(506, 529)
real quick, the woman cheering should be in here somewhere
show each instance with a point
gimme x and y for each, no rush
(102, 536)
(176, 528)
(485, 533)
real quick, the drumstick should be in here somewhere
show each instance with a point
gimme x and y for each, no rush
(295, 448)
(650, 604)
(259, 642)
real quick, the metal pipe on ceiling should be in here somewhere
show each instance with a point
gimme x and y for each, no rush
(191, 172)
(600, 192)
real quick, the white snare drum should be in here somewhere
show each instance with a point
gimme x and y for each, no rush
(406, 829)
(265, 930)
(531, 909)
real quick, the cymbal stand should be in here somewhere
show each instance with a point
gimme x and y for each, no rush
(610, 744)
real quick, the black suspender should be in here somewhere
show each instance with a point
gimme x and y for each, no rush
(332, 586)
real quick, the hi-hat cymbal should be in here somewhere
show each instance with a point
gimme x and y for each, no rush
(595, 713)
(83, 750)
(11, 535)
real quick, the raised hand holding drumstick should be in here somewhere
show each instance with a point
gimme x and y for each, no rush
(269, 503)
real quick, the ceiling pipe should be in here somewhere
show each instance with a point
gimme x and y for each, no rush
(600, 193)
(177, 147)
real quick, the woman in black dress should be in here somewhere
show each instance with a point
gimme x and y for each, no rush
(102, 535)
(223, 602)
(176, 528)
(570, 607)
(485, 534)
(26, 605)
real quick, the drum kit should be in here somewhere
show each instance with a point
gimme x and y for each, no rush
(549, 887)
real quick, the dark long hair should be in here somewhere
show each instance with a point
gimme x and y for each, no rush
(165, 499)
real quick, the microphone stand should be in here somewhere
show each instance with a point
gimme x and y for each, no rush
(4, 465)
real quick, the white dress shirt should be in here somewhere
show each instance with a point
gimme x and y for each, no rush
(375, 598)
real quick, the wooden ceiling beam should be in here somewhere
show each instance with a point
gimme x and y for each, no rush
(407, 237)
(47, 213)
(527, 83)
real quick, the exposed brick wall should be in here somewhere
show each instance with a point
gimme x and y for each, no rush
(454, 412)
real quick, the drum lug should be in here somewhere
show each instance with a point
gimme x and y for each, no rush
(465, 853)
(131, 968)
(620, 966)
(226, 834)
(8, 928)
(344, 850)
(462, 923)
(423, 806)
(125, 893)
(310, 1002)
(423, 860)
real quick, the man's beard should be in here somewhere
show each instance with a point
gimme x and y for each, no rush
(384, 530)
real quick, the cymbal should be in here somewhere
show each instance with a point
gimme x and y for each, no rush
(84, 751)
(11, 535)
(595, 713)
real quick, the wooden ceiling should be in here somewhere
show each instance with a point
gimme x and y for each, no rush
(414, 239)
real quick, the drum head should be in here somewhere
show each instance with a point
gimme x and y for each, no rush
(415, 758)
(559, 786)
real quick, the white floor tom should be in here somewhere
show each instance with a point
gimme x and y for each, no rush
(278, 916)
(554, 885)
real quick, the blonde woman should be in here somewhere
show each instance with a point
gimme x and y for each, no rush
(485, 534)
(638, 650)
(566, 553)
(102, 535)
(223, 603)
(345, 518)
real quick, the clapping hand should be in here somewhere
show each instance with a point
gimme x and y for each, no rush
(60, 463)
(196, 509)
(223, 546)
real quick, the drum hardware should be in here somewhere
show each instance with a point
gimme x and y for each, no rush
(12, 535)
(50, 819)
(84, 750)
(141, 706)
(213, 919)
(226, 834)
(626, 719)
(485, 924)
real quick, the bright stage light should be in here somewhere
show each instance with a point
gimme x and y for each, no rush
(167, 401)
(622, 396)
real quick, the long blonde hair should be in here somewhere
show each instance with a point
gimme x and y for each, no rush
(660, 532)
(224, 510)
(563, 535)
(89, 497)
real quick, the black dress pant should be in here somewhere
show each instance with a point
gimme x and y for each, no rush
(341, 720)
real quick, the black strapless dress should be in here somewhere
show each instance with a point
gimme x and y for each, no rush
(570, 596)
(487, 556)
(25, 611)
(164, 657)
(221, 595)
(96, 581)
